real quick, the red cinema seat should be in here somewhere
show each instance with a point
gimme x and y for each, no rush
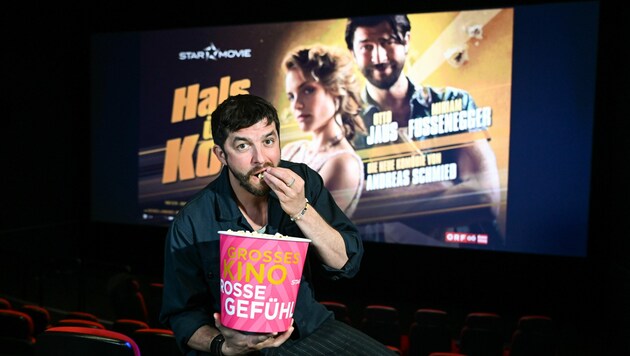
(16, 333)
(381, 322)
(71, 340)
(82, 323)
(429, 332)
(156, 342)
(339, 309)
(128, 326)
(39, 315)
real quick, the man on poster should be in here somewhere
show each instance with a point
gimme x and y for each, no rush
(394, 105)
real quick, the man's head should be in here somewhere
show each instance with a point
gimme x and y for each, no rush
(379, 45)
(246, 130)
(241, 111)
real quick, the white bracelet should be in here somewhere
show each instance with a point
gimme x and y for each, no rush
(299, 215)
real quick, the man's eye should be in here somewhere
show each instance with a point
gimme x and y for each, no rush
(390, 42)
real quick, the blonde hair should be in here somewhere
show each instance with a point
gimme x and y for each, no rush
(334, 70)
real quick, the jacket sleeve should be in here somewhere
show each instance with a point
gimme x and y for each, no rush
(322, 200)
(186, 305)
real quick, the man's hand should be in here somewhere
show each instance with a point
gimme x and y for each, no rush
(288, 186)
(240, 343)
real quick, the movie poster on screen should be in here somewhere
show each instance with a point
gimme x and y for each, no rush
(186, 73)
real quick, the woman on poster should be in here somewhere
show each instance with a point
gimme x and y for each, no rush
(325, 101)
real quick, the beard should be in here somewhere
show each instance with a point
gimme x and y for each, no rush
(244, 180)
(385, 81)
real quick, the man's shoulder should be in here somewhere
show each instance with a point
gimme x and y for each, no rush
(199, 217)
(201, 202)
(448, 93)
(439, 94)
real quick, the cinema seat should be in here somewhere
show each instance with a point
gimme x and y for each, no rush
(128, 326)
(127, 298)
(39, 315)
(539, 323)
(80, 315)
(63, 341)
(82, 323)
(482, 335)
(382, 323)
(339, 309)
(429, 332)
(534, 335)
(480, 342)
(153, 300)
(156, 342)
(484, 320)
(16, 333)
(16, 324)
(5, 304)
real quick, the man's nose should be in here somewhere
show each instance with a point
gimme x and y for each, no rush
(257, 155)
(379, 55)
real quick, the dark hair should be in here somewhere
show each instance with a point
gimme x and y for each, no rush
(238, 112)
(399, 23)
(334, 70)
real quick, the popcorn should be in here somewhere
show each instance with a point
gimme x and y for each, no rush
(257, 234)
(261, 175)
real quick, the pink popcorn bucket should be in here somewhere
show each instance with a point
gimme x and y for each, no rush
(260, 279)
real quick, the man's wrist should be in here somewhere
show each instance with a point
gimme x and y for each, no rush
(299, 215)
(216, 344)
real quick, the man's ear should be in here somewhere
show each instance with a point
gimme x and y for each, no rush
(406, 41)
(219, 153)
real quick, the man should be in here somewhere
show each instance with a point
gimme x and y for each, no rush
(287, 198)
(379, 45)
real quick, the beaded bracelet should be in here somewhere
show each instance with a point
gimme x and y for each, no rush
(299, 215)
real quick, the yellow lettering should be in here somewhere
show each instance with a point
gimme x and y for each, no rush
(191, 102)
(386, 166)
(240, 87)
(208, 101)
(185, 103)
(372, 167)
(179, 159)
(207, 164)
(381, 118)
(434, 158)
